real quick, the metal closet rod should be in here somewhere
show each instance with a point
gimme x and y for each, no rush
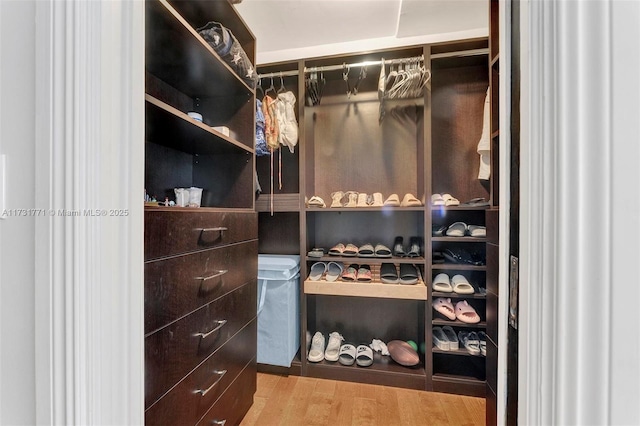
(462, 53)
(341, 66)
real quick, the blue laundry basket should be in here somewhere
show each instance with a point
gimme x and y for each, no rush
(278, 309)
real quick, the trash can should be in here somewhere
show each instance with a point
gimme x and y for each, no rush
(278, 309)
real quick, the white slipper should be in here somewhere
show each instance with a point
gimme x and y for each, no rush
(377, 200)
(364, 357)
(457, 229)
(393, 201)
(334, 270)
(449, 200)
(316, 201)
(317, 270)
(477, 231)
(316, 353)
(440, 339)
(461, 285)
(362, 200)
(451, 337)
(347, 354)
(441, 283)
(437, 200)
(410, 200)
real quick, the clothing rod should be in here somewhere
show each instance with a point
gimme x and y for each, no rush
(279, 74)
(341, 66)
(364, 64)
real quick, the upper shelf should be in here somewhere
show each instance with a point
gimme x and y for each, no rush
(177, 55)
(170, 127)
(362, 289)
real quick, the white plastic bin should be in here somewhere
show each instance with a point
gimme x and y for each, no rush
(278, 309)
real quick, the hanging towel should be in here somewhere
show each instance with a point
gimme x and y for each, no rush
(484, 145)
(287, 124)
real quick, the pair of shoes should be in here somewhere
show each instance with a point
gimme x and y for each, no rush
(444, 200)
(438, 230)
(316, 201)
(476, 202)
(471, 341)
(463, 311)
(409, 200)
(461, 229)
(457, 284)
(317, 351)
(408, 274)
(355, 199)
(355, 272)
(361, 355)
(331, 271)
(350, 250)
(415, 247)
(445, 338)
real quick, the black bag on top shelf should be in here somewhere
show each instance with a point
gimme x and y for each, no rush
(224, 43)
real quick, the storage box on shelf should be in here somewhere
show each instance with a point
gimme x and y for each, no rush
(200, 263)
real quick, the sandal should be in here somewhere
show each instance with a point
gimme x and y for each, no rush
(334, 270)
(317, 270)
(336, 198)
(410, 200)
(392, 201)
(471, 341)
(316, 201)
(382, 251)
(457, 229)
(437, 200)
(441, 283)
(347, 355)
(415, 248)
(350, 273)
(466, 313)
(388, 273)
(364, 273)
(350, 250)
(398, 247)
(366, 250)
(337, 250)
(461, 285)
(408, 274)
(364, 357)
(316, 252)
(449, 200)
(444, 307)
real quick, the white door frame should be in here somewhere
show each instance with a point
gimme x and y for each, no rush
(89, 162)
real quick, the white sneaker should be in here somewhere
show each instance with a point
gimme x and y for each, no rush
(316, 353)
(333, 347)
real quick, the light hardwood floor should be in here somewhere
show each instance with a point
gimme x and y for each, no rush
(293, 400)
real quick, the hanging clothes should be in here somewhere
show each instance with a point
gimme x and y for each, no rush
(484, 145)
(270, 123)
(382, 83)
(287, 124)
(261, 142)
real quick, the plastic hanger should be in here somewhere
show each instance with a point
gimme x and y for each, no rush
(282, 88)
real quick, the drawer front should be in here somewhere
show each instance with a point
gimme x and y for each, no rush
(173, 351)
(191, 398)
(179, 285)
(235, 402)
(171, 233)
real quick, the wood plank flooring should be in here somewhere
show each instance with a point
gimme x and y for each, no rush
(305, 401)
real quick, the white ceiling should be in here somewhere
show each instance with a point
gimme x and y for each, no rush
(294, 29)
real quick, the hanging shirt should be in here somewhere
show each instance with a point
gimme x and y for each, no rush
(287, 124)
(484, 145)
(270, 123)
(261, 143)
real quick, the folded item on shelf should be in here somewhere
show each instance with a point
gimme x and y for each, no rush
(225, 44)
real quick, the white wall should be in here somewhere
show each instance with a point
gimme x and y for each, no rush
(17, 246)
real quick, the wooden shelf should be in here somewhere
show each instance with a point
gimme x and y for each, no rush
(460, 239)
(453, 295)
(364, 209)
(195, 209)
(461, 351)
(177, 55)
(461, 385)
(367, 260)
(168, 126)
(457, 267)
(458, 323)
(461, 207)
(372, 289)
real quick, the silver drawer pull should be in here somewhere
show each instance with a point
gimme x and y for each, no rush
(209, 333)
(217, 274)
(219, 229)
(221, 374)
(219, 422)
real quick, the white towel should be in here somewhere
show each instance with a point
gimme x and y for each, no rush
(484, 145)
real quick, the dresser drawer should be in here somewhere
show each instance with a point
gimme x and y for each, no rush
(175, 286)
(170, 233)
(192, 397)
(235, 402)
(173, 351)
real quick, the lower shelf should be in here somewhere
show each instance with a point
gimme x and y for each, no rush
(384, 371)
(459, 385)
(373, 289)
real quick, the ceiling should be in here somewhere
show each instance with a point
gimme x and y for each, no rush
(295, 29)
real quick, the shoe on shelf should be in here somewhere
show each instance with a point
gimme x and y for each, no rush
(440, 339)
(333, 346)
(398, 247)
(451, 337)
(316, 201)
(482, 336)
(410, 200)
(334, 270)
(415, 247)
(362, 200)
(352, 199)
(316, 353)
(336, 199)
(449, 200)
(392, 201)
(437, 200)
(377, 200)
(470, 341)
(442, 283)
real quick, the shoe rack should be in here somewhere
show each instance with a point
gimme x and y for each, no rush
(422, 146)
